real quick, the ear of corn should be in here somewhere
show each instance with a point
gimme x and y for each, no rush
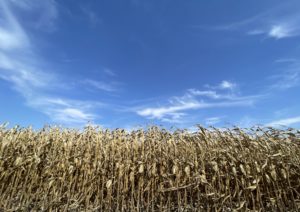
(57, 169)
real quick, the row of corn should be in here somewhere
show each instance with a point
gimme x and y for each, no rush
(55, 169)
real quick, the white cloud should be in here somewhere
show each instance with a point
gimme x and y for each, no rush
(174, 118)
(207, 93)
(5, 62)
(212, 94)
(16, 57)
(285, 122)
(27, 72)
(283, 26)
(281, 31)
(67, 111)
(45, 12)
(224, 85)
(177, 108)
(227, 85)
(289, 76)
(286, 60)
(172, 111)
(288, 80)
(10, 39)
(12, 35)
(278, 31)
(72, 115)
(109, 72)
(100, 85)
(277, 22)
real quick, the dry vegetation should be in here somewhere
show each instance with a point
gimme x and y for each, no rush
(149, 170)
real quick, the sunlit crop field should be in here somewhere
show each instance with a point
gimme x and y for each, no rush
(56, 169)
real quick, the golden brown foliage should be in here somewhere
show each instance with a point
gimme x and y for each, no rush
(149, 170)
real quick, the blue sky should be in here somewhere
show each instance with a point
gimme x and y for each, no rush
(133, 63)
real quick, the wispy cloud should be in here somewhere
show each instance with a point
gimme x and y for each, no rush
(91, 15)
(171, 112)
(285, 122)
(282, 31)
(17, 61)
(109, 72)
(206, 93)
(64, 110)
(277, 22)
(224, 85)
(193, 99)
(44, 12)
(11, 35)
(28, 73)
(71, 116)
(289, 76)
(227, 85)
(101, 85)
(286, 60)
(174, 111)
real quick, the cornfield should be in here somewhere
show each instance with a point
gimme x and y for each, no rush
(55, 169)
